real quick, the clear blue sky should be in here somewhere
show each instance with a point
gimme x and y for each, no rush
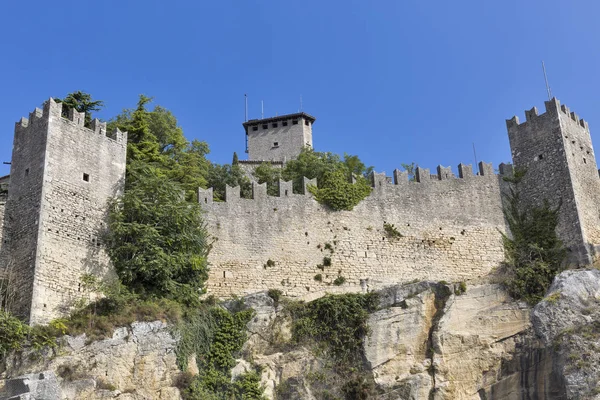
(392, 81)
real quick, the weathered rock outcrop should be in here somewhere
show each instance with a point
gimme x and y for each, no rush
(137, 363)
(426, 342)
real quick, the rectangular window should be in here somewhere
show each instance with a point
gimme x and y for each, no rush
(274, 124)
(284, 123)
(276, 144)
(27, 172)
(265, 126)
(255, 128)
(294, 122)
(306, 122)
(86, 177)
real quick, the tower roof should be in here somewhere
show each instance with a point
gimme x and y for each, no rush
(253, 122)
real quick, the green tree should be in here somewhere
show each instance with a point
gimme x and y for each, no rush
(411, 169)
(336, 190)
(309, 164)
(334, 177)
(534, 253)
(232, 175)
(156, 239)
(81, 102)
(235, 160)
(156, 138)
(267, 173)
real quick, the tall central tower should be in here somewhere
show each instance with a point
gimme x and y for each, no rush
(278, 139)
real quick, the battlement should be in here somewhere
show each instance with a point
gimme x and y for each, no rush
(553, 109)
(54, 109)
(378, 180)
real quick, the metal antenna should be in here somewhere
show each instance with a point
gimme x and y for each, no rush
(475, 155)
(262, 109)
(301, 103)
(245, 107)
(546, 79)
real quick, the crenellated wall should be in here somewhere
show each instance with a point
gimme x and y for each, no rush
(450, 230)
(62, 176)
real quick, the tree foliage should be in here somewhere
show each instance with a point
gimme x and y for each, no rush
(267, 173)
(81, 102)
(334, 177)
(155, 138)
(534, 253)
(223, 175)
(156, 239)
(216, 336)
(337, 324)
(336, 191)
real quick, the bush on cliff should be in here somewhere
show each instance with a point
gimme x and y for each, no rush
(534, 253)
(337, 324)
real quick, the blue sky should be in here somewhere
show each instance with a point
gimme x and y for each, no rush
(392, 81)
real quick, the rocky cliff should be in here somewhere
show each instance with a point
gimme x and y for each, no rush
(428, 341)
(137, 363)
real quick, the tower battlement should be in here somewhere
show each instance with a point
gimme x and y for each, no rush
(553, 108)
(53, 109)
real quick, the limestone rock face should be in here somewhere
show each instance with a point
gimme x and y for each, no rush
(476, 332)
(137, 363)
(427, 341)
(568, 321)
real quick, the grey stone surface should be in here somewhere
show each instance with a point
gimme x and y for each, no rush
(279, 138)
(62, 176)
(38, 386)
(450, 230)
(137, 363)
(556, 150)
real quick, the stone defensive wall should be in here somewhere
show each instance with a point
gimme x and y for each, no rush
(439, 227)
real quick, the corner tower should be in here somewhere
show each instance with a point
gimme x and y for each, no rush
(62, 176)
(280, 138)
(556, 149)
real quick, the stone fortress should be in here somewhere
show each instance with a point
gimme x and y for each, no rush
(446, 227)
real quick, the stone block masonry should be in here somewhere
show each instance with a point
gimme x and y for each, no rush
(449, 229)
(556, 150)
(440, 227)
(62, 177)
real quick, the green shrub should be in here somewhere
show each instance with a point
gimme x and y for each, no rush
(339, 281)
(391, 231)
(336, 191)
(216, 336)
(336, 324)
(318, 277)
(275, 294)
(460, 288)
(13, 333)
(327, 261)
